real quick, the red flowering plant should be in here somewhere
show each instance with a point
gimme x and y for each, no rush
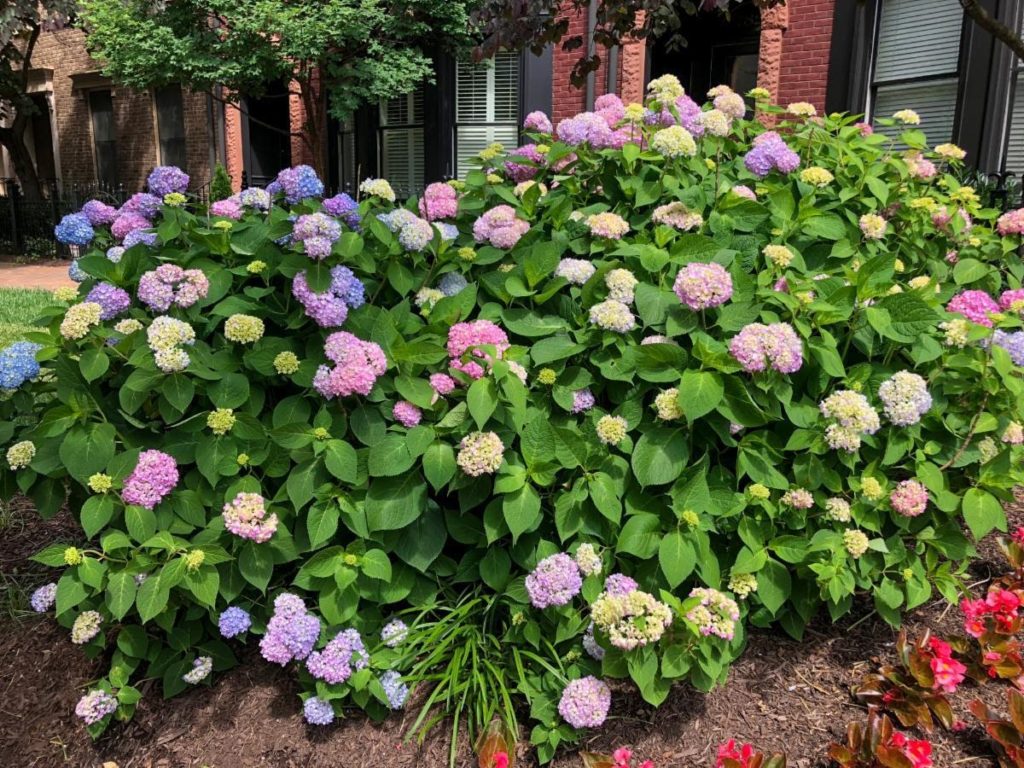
(877, 744)
(1008, 735)
(620, 758)
(733, 755)
(496, 746)
(1013, 548)
(994, 622)
(915, 689)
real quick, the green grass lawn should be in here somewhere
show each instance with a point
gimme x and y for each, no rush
(18, 307)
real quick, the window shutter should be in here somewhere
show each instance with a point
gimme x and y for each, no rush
(401, 142)
(917, 38)
(486, 107)
(1015, 137)
(934, 101)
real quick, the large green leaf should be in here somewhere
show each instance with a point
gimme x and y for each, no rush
(394, 502)
(660, 456)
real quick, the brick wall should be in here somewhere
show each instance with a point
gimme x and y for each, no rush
(134, 114)
(803, 73)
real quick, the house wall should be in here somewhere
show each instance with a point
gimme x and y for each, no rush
(803, 29)
(64, 53)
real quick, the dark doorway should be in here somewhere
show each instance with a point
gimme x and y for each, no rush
(42, 138)
(718, 50)
(266, 138)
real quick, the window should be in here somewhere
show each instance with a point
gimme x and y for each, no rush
(401, 142)
(917, 63)
(170, 120)
(486, 107)
(347, 171)
(104, 136)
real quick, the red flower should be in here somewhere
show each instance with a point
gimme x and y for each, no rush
(501, 760)
(729, 751)
(622, 756)
(1018, 535)
(920, 753)
(948, 672)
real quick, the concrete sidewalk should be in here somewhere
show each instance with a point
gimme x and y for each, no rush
(51, 275)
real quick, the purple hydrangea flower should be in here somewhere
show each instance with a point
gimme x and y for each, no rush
(537, 121)
(620, 584)
(345, 208)
(770, 152)
(114, 253)
(74, 229)
(126, 222)
(254, 197)
(339, 659)
(395, 690)
(99, 213)
(1012, 343)
(291, 632)
(555, 581)
(702, 286)
(43, 598)
(234, 621)
(95, 706)
(329, 309)
(582, 400)
(144, 204)
(165, 179)
(154, 476)
(112, 300)
(317, 232)
(585, 702)
(137, 236)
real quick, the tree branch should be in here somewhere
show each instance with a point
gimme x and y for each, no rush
(994, 27)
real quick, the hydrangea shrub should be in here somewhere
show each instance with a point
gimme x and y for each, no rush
(658, 373)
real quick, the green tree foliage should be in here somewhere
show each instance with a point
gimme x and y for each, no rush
(220, 186)
(336, 54)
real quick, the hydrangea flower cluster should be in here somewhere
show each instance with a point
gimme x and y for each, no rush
(523, 172)
(246, 517)
(611, 430)
(798, 498)
(856, 543)
(582, 400)
(20, 454)
(75, 229)
(500, 227)
(112, 300)
(166, 179)
(297, 183)
(169, 285)
(853, 417)
(95, 706)
(234, 621)
(342, 656)
(330, 308)
(99, 213)
(667, 405)
(44, 597)
(165, 337)
(555, 581)
(538, 122)
(128, 222)
(406, 414)
(677, 216)
(1011, 223)
(395, 690)
(575, 271)
(316, 711)
(480, 453)
(154, 476)
(630, 620)
(452, 283)
(674, 141)
(1013, 300)
(905, 398)
(837, 510)
(714, 614)
(621, 285)
(585, 702)
(79, 319)
(378, 187)
(587, 559)
(1013, 343)
(702, 286)
(357, 365)
(612, 315)
(758, 347)
(86, 627)
(18, 364)
(343, 207)
(975, 305)
(201, 669)
(318, 233)
(291, 632)
(394, 633)
(471, 338)
(770, 152)
(620, 584)
(609, 225)
(909, 498)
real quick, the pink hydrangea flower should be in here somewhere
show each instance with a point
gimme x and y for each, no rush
(702, 286)
(442, 383)
(357, 365)
(406, 414)
(470, 337)
(154, 476)
(500, 227)
(439, 201)
(976, 306)
(759, 346)
(246, 517)
(909, 498)
(519, 172)
(1011, 223)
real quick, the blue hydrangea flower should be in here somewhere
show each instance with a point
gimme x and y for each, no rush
(317, 711)
(137, 236)
(165, 179)
(115, 253)
(1012, 343)
(345, 284)
(297, 184)
(396, 691)
(74, 229)
(76, 273)
(234, 621)
(452, 283)
(18, 364)
(345, 208)
(448, 231)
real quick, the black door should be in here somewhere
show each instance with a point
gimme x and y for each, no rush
(268, 147)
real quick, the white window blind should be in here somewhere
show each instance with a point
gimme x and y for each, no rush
(1015, 136)
(486, 107)
(401, 142)
(917, 63)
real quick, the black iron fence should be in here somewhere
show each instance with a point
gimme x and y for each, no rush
(26, 224)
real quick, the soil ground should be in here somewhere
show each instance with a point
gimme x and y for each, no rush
(782, 695)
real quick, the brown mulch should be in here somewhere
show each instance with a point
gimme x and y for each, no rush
(781, 695)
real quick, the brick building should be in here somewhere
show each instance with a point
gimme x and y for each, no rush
(860, 56)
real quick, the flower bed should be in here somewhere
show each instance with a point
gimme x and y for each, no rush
(654, 375)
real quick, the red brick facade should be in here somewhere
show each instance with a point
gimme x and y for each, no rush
(63, 69)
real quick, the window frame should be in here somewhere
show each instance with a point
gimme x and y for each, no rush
(158, 124)
(95, 142)
(515, 124)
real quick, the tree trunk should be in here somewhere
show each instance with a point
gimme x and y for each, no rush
(13, 140)
(314, 135)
